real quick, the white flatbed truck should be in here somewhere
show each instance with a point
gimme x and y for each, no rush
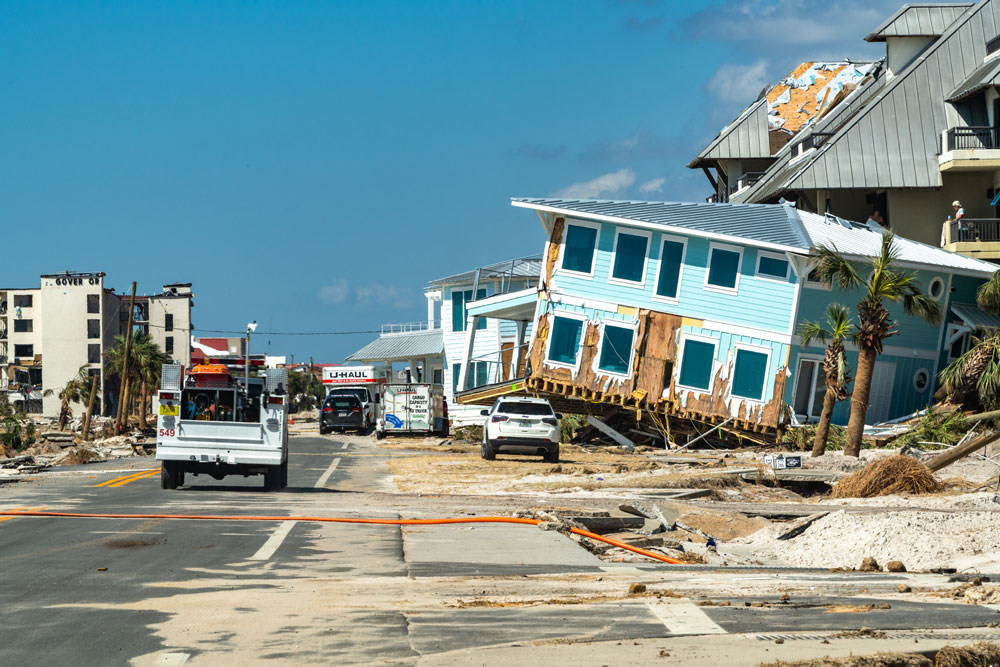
(216, 426)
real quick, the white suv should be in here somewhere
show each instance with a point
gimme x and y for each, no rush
(518, 425)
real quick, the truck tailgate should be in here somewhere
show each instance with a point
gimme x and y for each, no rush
(228, 442)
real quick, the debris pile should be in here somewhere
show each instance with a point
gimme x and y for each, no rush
(889, 476)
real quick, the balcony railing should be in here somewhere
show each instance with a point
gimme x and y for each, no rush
(410, 327)
(518, 275)
(970, 138)
(815, 140)
(971, 230)
(745, 181)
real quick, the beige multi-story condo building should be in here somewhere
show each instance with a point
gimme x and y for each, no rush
(48, 333)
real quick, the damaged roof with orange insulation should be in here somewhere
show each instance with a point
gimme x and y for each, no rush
(811, 89)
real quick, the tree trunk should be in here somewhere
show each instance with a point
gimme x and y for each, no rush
(142, 405)
(859, 401)
(823, 427)
(85, 433)
(125, 406)
(62, 415)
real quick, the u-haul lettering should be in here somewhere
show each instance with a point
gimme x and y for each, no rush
(351, 375)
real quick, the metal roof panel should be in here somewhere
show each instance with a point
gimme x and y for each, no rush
(401, 346)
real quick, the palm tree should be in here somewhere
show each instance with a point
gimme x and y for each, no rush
(977, 372)
(144, 367)
(885, 282)
(837, 329)
(73, 392)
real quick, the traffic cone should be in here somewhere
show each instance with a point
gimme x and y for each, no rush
(291, 420)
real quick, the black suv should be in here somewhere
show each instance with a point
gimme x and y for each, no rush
(340, 413)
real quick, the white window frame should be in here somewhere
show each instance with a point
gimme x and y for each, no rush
(548, 339)
(773, 255)
(712, 247)
(767, 369)
(812, 284)
(680, 275)
(645, 260)
(916, 374)
(936, 279)
(634, 326)
(680, 356)
(593, 258)
(953, 333)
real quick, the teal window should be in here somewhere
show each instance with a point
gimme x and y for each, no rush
(616, 349)
(438, 376)
(696, 364)
(456, 377)
(749, 374)
(578, 253)
(770, 266)
(458, 301)
(723, 268)
(481, 370)
(669, 279)
(565, 343)
(630, 257)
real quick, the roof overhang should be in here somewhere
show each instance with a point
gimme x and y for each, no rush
(519, 306)
(975, 318)
(655, 226)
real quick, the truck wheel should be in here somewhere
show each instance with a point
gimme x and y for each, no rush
(179, 476)
(284, 474)
(272, 478)
(168, 475)
(488, 452)
(379, 435)
(552, 455)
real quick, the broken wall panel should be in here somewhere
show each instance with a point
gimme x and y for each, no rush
(651, 384)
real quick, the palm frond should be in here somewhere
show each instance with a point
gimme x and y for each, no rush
(988, 295)
(810, 331)
(834, 269)
(838, 318)
(923, 306)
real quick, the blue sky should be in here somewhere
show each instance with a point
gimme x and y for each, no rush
(311, 165)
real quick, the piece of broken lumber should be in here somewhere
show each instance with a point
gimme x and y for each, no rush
(797, 527)
(948, 457)
(597, 423)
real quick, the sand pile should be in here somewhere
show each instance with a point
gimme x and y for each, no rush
(921, 539)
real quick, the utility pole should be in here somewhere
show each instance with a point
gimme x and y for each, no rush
(122, 420)
(90, 408)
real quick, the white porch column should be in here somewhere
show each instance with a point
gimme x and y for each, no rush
(522, 327)
(470, 342)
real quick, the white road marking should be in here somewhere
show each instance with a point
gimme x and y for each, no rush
(684, 618)
(345, 445)
(273, 542)
(321, 482)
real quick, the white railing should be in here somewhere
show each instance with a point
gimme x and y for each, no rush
(410, 327)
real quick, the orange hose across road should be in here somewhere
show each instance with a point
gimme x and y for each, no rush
(330, 519)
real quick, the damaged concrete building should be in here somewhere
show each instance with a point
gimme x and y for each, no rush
(47, 333)
(919, 131)
(692, 311)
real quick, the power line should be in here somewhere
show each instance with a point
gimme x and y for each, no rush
(269, 333)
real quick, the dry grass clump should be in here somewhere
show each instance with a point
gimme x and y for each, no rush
(79, 456)
(892, 475)
(980, 654)
(877, 660)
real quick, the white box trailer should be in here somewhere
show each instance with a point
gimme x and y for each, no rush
(222, 428)
(413, 408)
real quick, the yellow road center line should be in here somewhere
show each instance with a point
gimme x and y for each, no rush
(151, 473)
(124, 477)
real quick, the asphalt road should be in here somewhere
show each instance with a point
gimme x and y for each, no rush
(101, 591)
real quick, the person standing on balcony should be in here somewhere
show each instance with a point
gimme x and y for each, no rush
(959, 214)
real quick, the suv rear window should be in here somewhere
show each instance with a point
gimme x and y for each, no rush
(342, 402)
(361, 394)
(524, 408)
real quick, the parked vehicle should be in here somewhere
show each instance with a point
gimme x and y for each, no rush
(212, 423)
(342, 411)
(363, 382)
(518, 425)
(413, 408)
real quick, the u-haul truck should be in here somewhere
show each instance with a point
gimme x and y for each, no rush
(363, 382)
(209, 423)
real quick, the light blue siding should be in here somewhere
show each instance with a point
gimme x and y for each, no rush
(759, 303)
(726, 350)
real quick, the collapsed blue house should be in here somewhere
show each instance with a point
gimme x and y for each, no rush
(693, 310)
